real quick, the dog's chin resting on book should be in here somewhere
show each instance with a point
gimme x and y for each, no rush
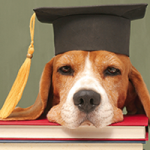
(88, 88)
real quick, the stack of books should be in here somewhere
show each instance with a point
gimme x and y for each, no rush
(130, 134)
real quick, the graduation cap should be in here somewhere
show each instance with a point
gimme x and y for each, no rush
(91, 28)
(88, 28)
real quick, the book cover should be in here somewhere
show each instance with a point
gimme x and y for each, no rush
(129, 120)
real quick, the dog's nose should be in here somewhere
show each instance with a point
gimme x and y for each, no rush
(86, 100)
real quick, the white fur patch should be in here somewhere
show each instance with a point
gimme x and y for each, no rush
(101, 116)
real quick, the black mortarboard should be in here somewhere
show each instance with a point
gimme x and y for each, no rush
(105, 27)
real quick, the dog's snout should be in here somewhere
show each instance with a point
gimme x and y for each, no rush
(86, 100)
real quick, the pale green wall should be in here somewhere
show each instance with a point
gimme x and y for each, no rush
(15, 39)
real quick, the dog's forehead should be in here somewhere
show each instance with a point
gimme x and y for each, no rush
(71, 56)
(106, 58)
(79, 57)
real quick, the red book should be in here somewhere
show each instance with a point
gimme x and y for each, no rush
(133, 128)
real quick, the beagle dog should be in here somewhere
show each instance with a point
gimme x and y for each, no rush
(88, 88)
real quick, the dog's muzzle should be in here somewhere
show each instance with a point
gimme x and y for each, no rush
(86, 100)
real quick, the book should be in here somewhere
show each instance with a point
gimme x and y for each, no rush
(133, 128)
(71, 146)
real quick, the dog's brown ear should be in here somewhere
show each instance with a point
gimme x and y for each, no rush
(138, 91)
(35, 111)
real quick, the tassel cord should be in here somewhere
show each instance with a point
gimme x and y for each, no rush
(17, 89)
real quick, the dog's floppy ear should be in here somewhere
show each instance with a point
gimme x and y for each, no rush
(35, 111)
(138, 91)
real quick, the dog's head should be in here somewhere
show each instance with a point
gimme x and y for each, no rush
(83, 87)
(88, 88)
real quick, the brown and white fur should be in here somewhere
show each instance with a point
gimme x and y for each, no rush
(89, 71)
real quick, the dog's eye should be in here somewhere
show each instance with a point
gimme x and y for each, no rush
(66, 70)
(111, 71)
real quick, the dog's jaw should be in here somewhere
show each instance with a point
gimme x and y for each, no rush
(101, 116)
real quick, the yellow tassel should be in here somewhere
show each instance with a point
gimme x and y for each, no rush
(17, 89)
